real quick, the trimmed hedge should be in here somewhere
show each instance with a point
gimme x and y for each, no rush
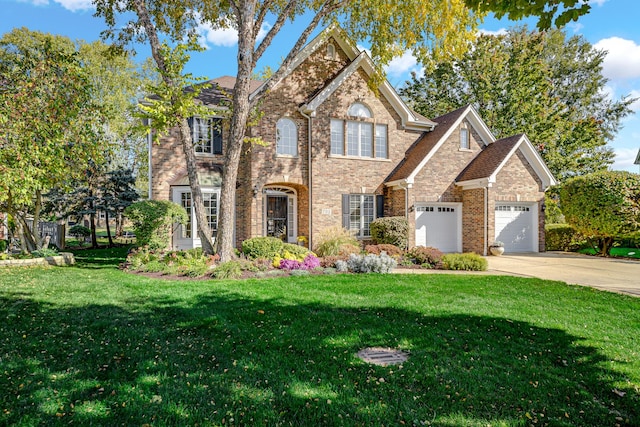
(262, 247)
(468, 261)
(562, 237)
(392, 230)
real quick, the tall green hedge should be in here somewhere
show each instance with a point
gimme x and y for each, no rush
(392, 230)
(153, 221)
(602, 205)
(562, 237)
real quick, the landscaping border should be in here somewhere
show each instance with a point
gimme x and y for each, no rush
(61, 260)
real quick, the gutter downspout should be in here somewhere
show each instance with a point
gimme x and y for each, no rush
(406, 208)
(486, 220)
(150, 145)
(309, 118)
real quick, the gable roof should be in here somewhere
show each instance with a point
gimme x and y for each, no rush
(637, 162)
(359, 60)
(484, 168)
(220, 90)
(417, 156)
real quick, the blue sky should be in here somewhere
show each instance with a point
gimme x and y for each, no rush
(612, 25)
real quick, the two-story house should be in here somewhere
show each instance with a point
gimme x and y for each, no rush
(342, 154)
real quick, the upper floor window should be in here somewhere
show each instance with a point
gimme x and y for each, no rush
(364, 138)
(359, 110)
(206, 134)
(331, 51)
(286, 137)
(464, 139)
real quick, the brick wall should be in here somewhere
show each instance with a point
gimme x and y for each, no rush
(473, 220)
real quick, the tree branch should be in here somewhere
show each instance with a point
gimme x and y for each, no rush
(327, 8)
(152, 35)
(266, 42)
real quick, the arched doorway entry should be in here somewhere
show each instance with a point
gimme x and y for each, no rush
(280, 213)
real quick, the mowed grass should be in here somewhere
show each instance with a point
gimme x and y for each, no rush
(91, 345)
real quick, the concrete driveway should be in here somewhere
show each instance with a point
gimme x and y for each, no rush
(611, 274)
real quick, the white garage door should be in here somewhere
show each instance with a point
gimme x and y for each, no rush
(439, 226)
(516, 227)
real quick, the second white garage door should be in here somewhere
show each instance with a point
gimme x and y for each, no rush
(517, 227)
(439, 226)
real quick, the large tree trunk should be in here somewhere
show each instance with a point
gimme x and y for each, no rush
(241, 108)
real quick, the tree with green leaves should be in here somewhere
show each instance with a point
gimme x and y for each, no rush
(602, 206)
(117, 192)
(431, 29)
(49, 123)
(544, 84)
(118, 82)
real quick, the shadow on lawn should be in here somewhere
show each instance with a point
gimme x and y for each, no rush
(231, 360)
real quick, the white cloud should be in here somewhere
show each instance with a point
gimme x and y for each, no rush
(622, 60)
(401, 64)
(217, 36)
(72, 5)
(575, 27)
(75, 5)
(226, 37)
(624, 158)
(500, 32)
(36, 2)
(597, 2)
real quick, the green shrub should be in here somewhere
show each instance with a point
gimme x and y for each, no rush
(562, 237)
(228, 270)
(392, 230)
(153, 221)
(154, 266)
(140, 257)
(298, 251)
(468, 261)
(44, 252)
(391, 250)
(3, 245)
(80, 232)
(334, 240)
(427, 256)
(262, 247)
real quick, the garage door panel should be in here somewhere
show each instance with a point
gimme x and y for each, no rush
(515, 227)
(438, 227)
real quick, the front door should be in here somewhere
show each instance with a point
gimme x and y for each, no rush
(277, 216)
(280, 213)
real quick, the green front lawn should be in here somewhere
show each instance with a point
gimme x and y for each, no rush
(91, 345)
(620, 252)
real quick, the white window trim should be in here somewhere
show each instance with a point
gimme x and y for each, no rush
(279, 123)
(180, 241)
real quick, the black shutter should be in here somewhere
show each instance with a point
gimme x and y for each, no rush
(345, 211)
(216, 134)
(379, 205)
(190, 121)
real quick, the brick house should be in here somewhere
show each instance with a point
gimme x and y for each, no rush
(340, 154)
